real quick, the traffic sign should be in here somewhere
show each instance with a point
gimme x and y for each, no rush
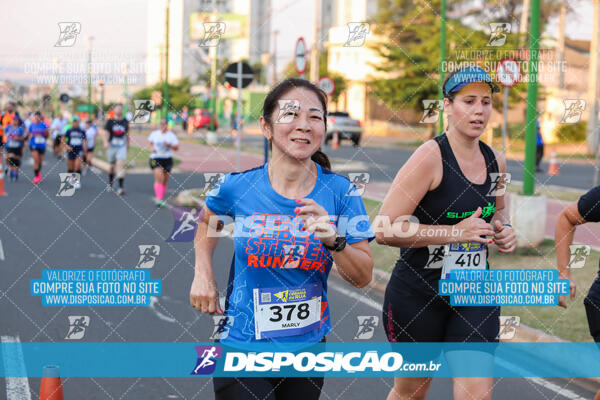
(64, 98)
(237, 69)
(508, 72)
(300, 56)
(327, 85)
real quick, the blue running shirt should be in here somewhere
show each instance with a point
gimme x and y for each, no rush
(276, 266)
(38, 135)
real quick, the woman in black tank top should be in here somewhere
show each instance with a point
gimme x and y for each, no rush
(453, 185)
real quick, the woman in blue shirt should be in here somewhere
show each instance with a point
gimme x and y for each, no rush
(293, 218)
(15, 138)
(38, 133)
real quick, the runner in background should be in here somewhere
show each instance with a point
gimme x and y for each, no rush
(38, 133)
(299, 195)
(15, 141)
(116, 142)
(162, 143)
(58, 128)
(539, 141)
(90, 134)
(5, 121)
(586, 209)
(447, 184)
(75, 143)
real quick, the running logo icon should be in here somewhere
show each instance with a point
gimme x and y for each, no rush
(431, 111)
(212, 34)
(436, 256)
(143, 111)
(68, 181)
(223, 325)
(358, 183)
(212, 182)
(573, 111)
(186, 222)
(293, 254)
(508, 326)
(366, 326)
(498, 32)
(283, 295)
(500, 180)
(68, 34)
(207, 359)
(287, 111)
(357, 34)
(77, 326)
(578, 255)
(148, 254)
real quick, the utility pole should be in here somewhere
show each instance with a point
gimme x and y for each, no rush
(532, 92)
(125, 94)
(524, 17)
(56, 93)
(101, 117)
(166, 95)
(442, 58)
(275, 33)
(213, 73)
(592, 126)
(89, 107)
(561, 44)
(314, 53)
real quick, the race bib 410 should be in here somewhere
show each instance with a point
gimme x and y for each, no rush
(472, 255)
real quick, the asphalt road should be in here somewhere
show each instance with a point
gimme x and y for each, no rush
(97, 229)
(383, 163)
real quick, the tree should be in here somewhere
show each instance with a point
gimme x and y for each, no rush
(410, 58)
(179, 93)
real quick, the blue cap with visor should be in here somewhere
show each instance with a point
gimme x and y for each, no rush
(469, 75)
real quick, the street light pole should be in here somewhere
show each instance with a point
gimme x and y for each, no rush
(101, 116)
(274, 76)
(213, 75)
(532, 92)
(125, 93)
(89, 107)
(166, 96)
(314, 54)
(442, 58)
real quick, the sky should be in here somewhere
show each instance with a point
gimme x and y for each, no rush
(119, 28)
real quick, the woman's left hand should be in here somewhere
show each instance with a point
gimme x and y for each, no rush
(316, 220)
(505, 238)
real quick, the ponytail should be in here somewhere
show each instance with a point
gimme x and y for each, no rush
(321, 158)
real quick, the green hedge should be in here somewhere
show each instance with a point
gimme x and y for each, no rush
(568, 133)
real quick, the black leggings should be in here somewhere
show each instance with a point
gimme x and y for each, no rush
(267, 388)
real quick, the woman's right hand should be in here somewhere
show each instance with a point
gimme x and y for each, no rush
(204, 295)
(472, 228)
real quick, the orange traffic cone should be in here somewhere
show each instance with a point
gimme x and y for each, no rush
(335, 141)
(51, 388)
(553, 169)
(2, 192)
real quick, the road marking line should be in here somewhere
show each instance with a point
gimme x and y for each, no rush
(160, 315)
(508, 365)
(1, 251)
(16, 388)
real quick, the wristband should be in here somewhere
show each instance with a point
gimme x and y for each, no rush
(509, 225)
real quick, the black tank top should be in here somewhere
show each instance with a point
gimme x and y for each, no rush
(455, 199)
